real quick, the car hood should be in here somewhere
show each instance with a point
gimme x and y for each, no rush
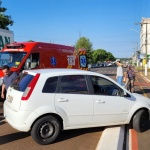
(142, 98)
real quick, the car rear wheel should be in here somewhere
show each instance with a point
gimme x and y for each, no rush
(46, 130)
(140, 121)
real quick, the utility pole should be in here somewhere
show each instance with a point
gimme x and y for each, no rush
(146, 51)
(146, 44)
(137, 56)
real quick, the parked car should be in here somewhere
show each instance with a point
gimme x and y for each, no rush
(109, 64)
(46, 101)
(89, 66)
(94, 66)
(104, 64)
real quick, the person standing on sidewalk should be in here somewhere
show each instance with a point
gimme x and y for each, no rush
(130, 78)
(9, 77)
(119, 73)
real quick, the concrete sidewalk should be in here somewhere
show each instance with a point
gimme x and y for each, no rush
(142, 73)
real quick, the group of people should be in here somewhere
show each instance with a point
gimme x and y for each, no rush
(128, 77)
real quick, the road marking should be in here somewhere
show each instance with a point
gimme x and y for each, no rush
(147, 80)
(133, 142)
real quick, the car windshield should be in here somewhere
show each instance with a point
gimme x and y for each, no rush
(12, 59)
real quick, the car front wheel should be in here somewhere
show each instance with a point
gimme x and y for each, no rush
(46, 130)
(140, 121)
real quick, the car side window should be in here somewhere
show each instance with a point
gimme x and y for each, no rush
(102, 86)
(50, 85)
(73, 84)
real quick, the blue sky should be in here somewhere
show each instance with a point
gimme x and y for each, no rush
(106, 23)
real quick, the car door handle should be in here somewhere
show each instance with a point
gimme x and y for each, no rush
(100, 101)
(62, 100)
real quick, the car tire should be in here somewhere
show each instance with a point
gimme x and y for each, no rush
(140, 121)
(46, 130)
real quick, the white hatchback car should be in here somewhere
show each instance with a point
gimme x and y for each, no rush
(46, 101)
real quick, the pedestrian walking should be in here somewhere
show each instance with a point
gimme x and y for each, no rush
(119, 73)
(9, 77)
(130, 78)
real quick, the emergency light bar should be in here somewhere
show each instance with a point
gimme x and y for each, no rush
(15, 46)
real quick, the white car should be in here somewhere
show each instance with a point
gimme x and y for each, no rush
(46, 101)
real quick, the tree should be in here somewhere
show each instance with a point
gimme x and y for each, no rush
(102, 55)
(99, 55)
(5, 20)
(110, 57)
(84, 42)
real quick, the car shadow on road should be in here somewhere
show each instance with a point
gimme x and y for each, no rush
(1, 116)
(110, 74)
(68, 134)
(148, 125)
(65, 135)
(139, 92)
(146, 91)
(13, 137)
(2, 119)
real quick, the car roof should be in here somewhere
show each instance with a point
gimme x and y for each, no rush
(60, 71)
(56, 70)
(65, 71)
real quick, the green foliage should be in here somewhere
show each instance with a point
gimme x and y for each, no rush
(102, 55)
(99, 55)
(110, 57)
(84, 42)
(5, 20)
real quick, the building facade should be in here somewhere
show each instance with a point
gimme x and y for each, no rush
(145, 40)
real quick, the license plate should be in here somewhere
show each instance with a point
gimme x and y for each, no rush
(9, 98)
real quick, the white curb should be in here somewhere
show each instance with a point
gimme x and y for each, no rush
(112, 139)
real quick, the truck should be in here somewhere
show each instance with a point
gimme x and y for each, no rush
(39, 55)
(6, 37)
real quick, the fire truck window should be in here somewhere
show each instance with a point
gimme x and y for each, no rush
(34, 60)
